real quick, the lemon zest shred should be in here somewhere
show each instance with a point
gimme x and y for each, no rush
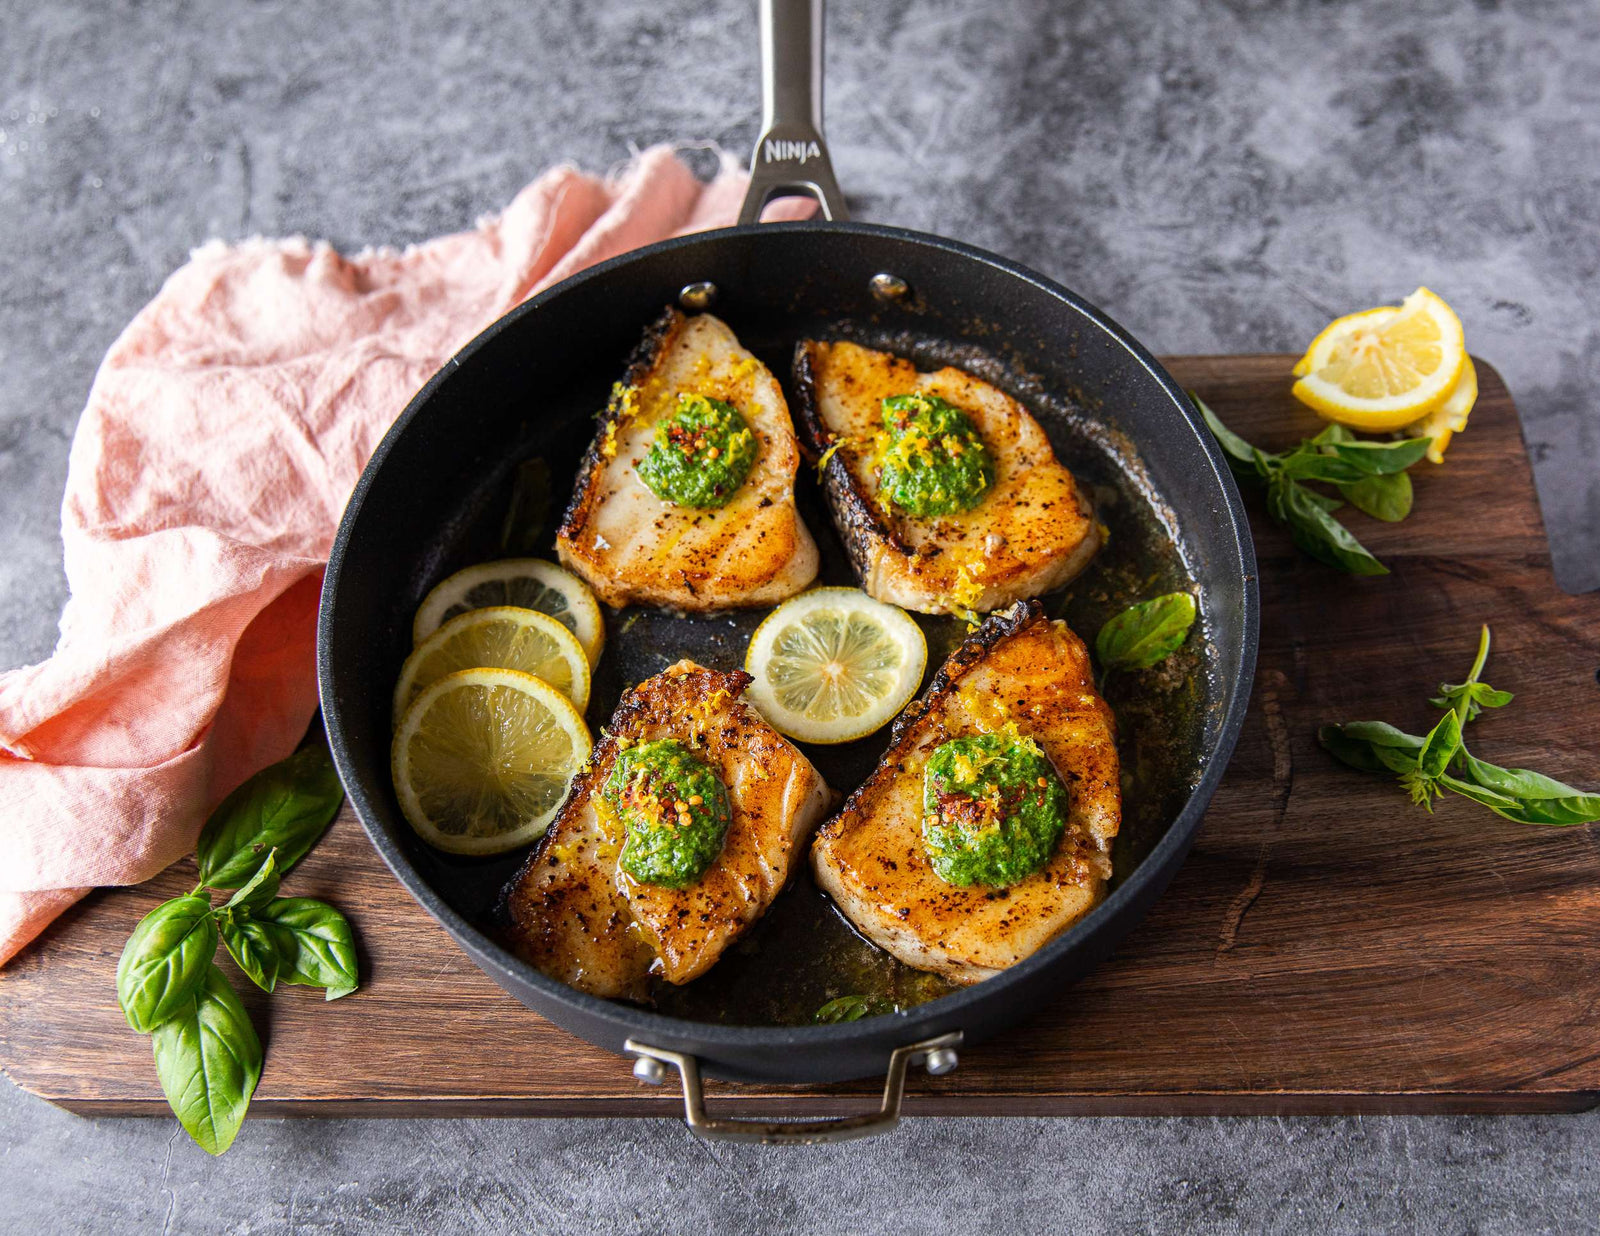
(827, 455)
(703, 710)
(623, 406)
(966, 590)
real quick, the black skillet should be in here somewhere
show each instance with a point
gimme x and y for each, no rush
(433, 494)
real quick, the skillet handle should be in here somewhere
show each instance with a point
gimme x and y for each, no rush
(791, 157)
(937, 1055)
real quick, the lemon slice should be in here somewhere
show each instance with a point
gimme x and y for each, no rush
(1450, 417)
(833, 664)
(1382, 372)
(531, 583)
(483, 758)
(500, 637)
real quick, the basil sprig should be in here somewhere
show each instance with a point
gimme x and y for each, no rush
(1145, 634)
(1370, 475)
(206, 1051)
(1427, 766)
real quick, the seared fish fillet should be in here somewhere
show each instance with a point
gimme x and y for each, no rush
(1032, 531)
(1022, 668)
(574, 914)
(633, 546)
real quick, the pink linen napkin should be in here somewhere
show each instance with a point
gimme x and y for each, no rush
(223, 434)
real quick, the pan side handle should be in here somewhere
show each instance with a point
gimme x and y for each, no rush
(791, 157)
(937, 1055)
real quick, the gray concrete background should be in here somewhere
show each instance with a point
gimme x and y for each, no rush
(1218, 176)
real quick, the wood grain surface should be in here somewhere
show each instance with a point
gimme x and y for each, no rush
(1327, 948)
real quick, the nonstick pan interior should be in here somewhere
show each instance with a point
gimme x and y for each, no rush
(433, 499)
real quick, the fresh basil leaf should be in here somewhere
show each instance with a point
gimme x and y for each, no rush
(1382, 458)
(255, 947)
(851, 1008)
(1386, 747)
(1332, 434)
(1307, 463)
(1145, 634)
(1440, 746)
(287, 807)
(1558, 812)
(1382, 734)
(1517, 782)
(259, 888)
(1328, 504)
(1396, 760)
(1352, 751)
(209, 1061)
(1478, 695)
(165, 961)
(1485, 696)
(324, 953)
(1476, 793)
(1277, 505)
(1323, 537)
(1383, 497)
(529, 512)
(1233, 446)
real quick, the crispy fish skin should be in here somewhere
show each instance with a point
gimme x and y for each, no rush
(1032, 532)
(1019, 667)
(576, 916)
(632, 546)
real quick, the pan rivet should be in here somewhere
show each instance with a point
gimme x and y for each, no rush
(888, 287)
(942, 1061)
(651, 1072)
(698, 296)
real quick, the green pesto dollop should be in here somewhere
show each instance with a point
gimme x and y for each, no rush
(934, 462)
(993, 808)
(701, 453)
(674, 809)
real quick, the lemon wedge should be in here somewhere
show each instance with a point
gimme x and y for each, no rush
(1386, 368)
(530, 583)
(483, 758)
(499, 637)
(1450, 417)
(833, 664)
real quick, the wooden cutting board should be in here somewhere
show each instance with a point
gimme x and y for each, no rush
(1327, 947)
